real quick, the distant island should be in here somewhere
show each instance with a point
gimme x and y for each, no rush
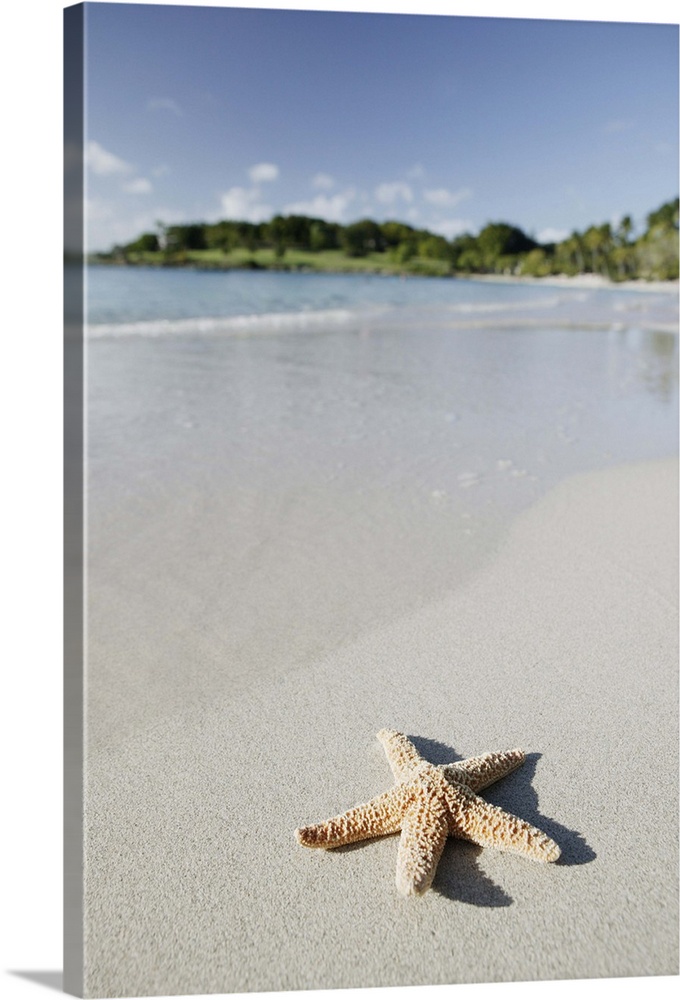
(301, 243)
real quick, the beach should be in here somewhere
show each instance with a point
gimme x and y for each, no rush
(453, 521)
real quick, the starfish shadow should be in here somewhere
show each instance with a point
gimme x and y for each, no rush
(435, 751)
(515, 794)
(459, 877)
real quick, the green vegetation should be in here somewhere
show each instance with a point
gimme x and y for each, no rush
(297, 242)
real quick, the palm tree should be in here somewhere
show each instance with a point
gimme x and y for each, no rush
(573, 248)
(624, 231)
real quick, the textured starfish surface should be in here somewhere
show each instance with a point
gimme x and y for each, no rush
(429, 803)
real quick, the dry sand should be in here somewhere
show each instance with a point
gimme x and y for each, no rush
(565, 644)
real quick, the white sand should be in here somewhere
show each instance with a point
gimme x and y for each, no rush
(565, 645)
(583, 281)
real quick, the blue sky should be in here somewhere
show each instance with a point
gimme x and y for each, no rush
(444, 122)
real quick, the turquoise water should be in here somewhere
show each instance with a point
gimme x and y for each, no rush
(155, 301)
(550, 378)
(435, 391)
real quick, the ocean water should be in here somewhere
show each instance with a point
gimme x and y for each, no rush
(153, 301)
(429, 390)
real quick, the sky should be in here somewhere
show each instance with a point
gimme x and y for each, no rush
(447, 123)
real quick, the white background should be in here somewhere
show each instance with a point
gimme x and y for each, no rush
(30, 379)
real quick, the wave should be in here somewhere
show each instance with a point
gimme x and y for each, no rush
(553, 311)
(246, 325)
(278, 322)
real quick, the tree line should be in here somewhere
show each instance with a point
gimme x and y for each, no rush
(499, 248)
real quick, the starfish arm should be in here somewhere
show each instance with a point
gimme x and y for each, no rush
(403, 757)
(479, 772)
(474, 819)
(381, 815)
(423, 835)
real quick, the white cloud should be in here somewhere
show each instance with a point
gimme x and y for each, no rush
(164, 104)
(416, 173)
(140, 185)
(263, 172)
(244, 204)
(391, 192)
(100, 161)
(161, 170)
(323, 206)
(451, 227)
(552, 235)
(323, 181)
(97, 210)
(445, 198)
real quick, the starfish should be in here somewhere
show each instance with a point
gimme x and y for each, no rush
(428, 803)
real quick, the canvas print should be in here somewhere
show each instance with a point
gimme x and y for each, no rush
(372, 629)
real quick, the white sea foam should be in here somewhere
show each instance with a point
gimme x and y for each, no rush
(232, 325)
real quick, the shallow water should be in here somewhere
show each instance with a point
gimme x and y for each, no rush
(157, 301)
(256, 501)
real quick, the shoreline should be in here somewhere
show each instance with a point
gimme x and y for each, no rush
(592, 281)
(234, 513)
(586, 281)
